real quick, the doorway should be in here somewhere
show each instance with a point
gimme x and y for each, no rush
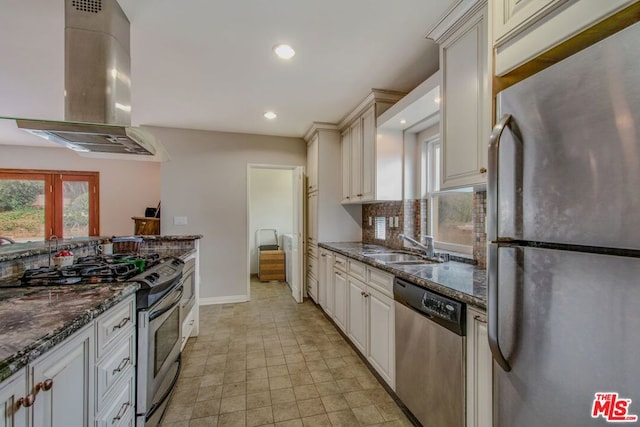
(275, 201)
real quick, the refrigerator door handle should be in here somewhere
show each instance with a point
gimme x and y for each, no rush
(492, 307)
(492, 177)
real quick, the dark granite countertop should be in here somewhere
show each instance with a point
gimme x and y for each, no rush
(463, 282)
(28, 249)
(35, 319)
(175, 237)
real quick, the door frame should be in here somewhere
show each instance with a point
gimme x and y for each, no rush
(298, 222)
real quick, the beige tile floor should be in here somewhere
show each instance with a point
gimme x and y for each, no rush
(272, 362)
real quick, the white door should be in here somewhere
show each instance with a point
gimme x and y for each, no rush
(297, 288)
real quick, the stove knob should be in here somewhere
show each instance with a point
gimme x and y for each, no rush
(176, 262)
(156, 275)
(150, 278)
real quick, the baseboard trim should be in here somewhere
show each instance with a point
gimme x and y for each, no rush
(223, 300)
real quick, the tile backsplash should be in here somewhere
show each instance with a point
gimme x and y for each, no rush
(413, 215)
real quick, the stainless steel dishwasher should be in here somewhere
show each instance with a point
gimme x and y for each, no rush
(430, 354)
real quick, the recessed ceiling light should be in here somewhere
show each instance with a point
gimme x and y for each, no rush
(284, 51)
(270, 115)
(437, 100)
(403, 121)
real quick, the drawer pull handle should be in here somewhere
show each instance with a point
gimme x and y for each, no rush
(359, 195)
(121, 412)
(123, 364)
(480, 319)
(122, 323)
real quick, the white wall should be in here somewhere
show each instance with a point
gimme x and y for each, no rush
(127, 187)
(271, 206)
(206, 181)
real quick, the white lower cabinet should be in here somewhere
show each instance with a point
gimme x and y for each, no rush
(340, 299)
(73, 385)
(325, 281)
(363, 308)
(120, 405)
(382, 319)
(62, 383)
(357, 326)
(479, 370)
(12, 390)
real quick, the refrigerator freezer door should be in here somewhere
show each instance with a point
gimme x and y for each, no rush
(568, 325)
(573, 177)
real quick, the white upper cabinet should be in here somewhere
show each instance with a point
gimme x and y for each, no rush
(524, 29)
(371, 167)
(465, 108)
(312, 165)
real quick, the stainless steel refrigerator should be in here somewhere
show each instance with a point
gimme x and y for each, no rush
(564, 231)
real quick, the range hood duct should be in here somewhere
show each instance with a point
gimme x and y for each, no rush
(97, 85)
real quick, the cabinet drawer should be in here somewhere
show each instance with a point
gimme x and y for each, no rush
(340, 263)
(356, 269)
(312, 267)
(116, 365)
(120, 408)
(380, 280)
(312, 250)
(187, 326)
(119, 321)
(312, 288)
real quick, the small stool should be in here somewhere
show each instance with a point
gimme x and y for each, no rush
(271, 265)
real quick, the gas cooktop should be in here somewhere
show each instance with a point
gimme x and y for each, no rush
(147, 269)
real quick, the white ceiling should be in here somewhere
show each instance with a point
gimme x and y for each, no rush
(208, 64)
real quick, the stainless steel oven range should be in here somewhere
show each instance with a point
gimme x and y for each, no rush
(159, 338)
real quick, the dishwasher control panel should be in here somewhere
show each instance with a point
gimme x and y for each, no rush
(440, 306)
(445, 311)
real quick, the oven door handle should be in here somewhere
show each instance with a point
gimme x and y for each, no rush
(166, 395)
(160, 312)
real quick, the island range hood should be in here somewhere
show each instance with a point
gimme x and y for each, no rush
(97, 93)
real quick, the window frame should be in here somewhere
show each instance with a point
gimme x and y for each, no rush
(432, 162)
(53, 181)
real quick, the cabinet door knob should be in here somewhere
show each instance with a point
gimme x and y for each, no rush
(483, 170)
(359, 195)
(47, 385)
(366, 295)
(26, 401)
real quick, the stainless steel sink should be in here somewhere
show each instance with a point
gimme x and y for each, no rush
(394, 257)
(401, 258)
(413, 262)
